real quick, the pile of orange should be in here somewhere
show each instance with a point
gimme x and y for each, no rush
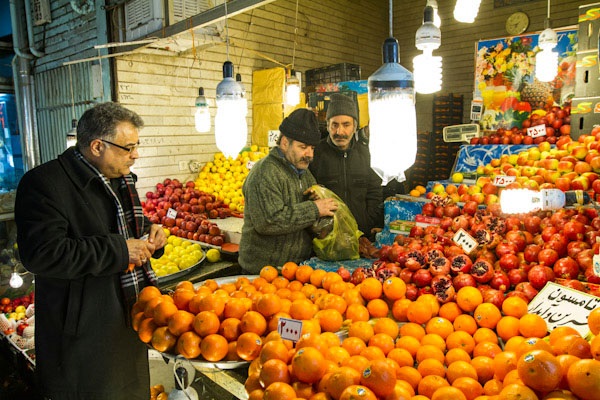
(369, 342)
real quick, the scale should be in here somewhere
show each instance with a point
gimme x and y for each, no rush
(461, 133)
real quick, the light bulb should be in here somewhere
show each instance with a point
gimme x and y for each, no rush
(202, 115)
(72, 134)
(546, 61)
(15, 280)
(466, 10)
(231, 129)
(392, 105)
(436, 16)
(428, 73)
(518, 201)
(292, 90)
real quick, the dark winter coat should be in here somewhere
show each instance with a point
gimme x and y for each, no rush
(348, 174)
(68, 237)
(276, 214)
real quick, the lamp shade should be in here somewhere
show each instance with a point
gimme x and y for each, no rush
(392, 115)
(546, 61)
(231, 129)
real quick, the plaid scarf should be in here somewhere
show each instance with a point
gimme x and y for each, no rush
(130, 218)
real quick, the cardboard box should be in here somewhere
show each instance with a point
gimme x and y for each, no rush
(403, 208)
(401, 227)
(587, 74)
(589, 27)
(585, 114)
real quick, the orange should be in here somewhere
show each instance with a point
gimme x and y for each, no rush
(412, 329)
(487, 315)
(253, 321)
(330, 278)
(312, 340)
(182, 297)
(280, 282)
(595, 347)
(316, 278)
(268, 273)
(488, 349)
(163, 311)
(357, 362)
(148, 293)
(539, 370)
(516, 391)
(431, 366)
(460, 340)
(514, 306)
(230, 329)
(303, 390)
(337, 354)
(331, 339)
(466, 323)
(330, 320)
(440, 326)
(594, 321)
(353, 345)
(308, 365)
(249, 345)
(274, 349)
(357, 312)
(387, 326)
(484, 366)
(504, 363)
(214, 347)
(303, 273)
(362, 330)
(470, 387)
(151, 304)
(459, 369)
(136, 320)
(508, 327)
(402, 357)
(266, 288)
(211, 302)
(373, 353)
(565, 361)
(400, 308)
(380, 377)
(370, 288)
(211, 284)
(448, 393)
(429, 384)
(410, 375)
(419, 312)
(229, 287)
(394, 288)
(513, 343)
(402, 391)
(340, 379)
(408, 343)
(584, 379)
(378, 308)
(268, 304)
(274, 371)
(574, 345)
(279, 391)
(338, 288)
(432, 301)
(435, 340)
(456, 354)
(206, 323)
(357, 392)
(450, 311)
(352, 296)
(163, 340)
(383, 341)
(256, 394)
(468, 298)
(532, 344)
(335, 302)
(181, 321)
(288, 270)
(146, 328)
(311, 326)
(493, 387)
(188, 345)
(485, 335)
(303, 309)
(532, 325)
(559, 332)
(232, 352)
(273, 322)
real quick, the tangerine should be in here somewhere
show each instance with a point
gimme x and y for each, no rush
(206, 323)
(584, 379)
(214, 347)
(188, 345)
(308, 365)
(539, 370)
(380, 377)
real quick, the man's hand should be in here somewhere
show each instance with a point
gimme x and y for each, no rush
(140, 251)
(157, 236)
(327, 207)
(311, 193)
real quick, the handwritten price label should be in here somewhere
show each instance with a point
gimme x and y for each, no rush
(272, 137)
(250, 164)
(503, 180)
(535, 131)
(289, 329)
(464, 240)
(563, 306)
(171, 213)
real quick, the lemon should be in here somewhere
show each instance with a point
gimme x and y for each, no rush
(213, 255)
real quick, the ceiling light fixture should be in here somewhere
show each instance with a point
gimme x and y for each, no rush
(392, 105)
(436, 16)
(202, 115)
(466, 10)
(546, 61)
(428, 68)
(292, 83)
(72, 133)
(231, 129)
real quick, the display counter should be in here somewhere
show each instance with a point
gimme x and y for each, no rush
(206, 271)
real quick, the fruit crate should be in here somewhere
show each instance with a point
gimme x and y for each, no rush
(332, 73)
(318, 101)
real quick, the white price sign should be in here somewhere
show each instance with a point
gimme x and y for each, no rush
(535, 131)
(289, 329)
(171, 213)
(250, 164)
(563, 306)
(272, 137)
(503, 180)
(464, 240)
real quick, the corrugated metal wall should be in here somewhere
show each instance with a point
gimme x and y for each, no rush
(57, 106)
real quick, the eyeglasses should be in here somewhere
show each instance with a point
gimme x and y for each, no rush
(127, 149)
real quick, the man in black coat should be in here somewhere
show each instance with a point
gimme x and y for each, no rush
(79, 230)
(342, 164)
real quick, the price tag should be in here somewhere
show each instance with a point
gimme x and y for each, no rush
(563, 306)
(272, 137)
(171, 213)
(289, 329)
(535, 131)
(596, 263)
(503, 180)
(250, 164)
(464, 240)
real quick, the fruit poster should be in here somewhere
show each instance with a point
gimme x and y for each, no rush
(505, 78)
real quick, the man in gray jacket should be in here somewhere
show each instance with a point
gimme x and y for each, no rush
(277, 212)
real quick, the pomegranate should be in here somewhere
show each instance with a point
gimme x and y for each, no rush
(412, 292)
(422, 278)
(406, 275)
(496, 297)
(539, 275)
(531, 251)
(482, 270)
(462, 280)
(500, 281)
(566, 268)
(574, 230)
(508, 262)
(574, 284)
(547, 257)
(442, 288)
(460, 263)
(440, 266)
(527, 289)
(516, 276)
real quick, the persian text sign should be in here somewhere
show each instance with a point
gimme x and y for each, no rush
(563, 306)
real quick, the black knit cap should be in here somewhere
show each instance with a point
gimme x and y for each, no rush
(340, 104)
(301, 125)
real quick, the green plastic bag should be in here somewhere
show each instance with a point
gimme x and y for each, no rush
(336, 238)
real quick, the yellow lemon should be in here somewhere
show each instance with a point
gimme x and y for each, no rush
(213, 255)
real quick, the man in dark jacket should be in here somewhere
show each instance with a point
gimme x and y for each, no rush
(277, 210)
(342, 164)
(79, 228)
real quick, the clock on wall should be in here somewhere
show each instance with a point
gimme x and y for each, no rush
(517, 23)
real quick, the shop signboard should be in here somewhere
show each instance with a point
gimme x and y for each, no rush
(505, 78)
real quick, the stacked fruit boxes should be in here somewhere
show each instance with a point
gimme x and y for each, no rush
(331, 74)
(435, 157)
(585, 106)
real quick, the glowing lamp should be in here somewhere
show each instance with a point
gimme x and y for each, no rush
(16, 281)
(546, 61)
(202, 115)
(428, 68)
(292, 90)
(466, 10)
(231, 129)
(518, 201)
(392, 115)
